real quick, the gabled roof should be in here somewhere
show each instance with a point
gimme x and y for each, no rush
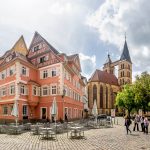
(37, 38)
(125, 54)
(75, 58)
(20, 46)
(104, 77)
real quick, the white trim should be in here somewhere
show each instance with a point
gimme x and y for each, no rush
(8, 83)
(13, 100)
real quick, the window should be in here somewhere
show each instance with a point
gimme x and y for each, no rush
(94, 93)
(25, 110)
(11, 72)
(106, 97)
(54, 89)
(53, 72)
(3, 75)
(3, 91)
(42, 59)
(23, 90)
(35, 90)
(45, 74)
(12, 90)
(45, 91)
(101, 96)
(24, 71)
(5, 110)
(36, 48)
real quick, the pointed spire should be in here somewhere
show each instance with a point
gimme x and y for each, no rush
(108, 59)
(125, 54)
(20, 46)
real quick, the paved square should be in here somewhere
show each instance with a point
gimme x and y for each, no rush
(96, 139)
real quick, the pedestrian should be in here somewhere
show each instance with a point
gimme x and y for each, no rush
(142, 123)
(66, 117)
(136, 122)
(127, 123)
(146, 124)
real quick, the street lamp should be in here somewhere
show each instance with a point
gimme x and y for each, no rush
(63, 95)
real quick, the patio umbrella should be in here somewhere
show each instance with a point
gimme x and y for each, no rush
(15, 111)
(94, 110)
(54, 109)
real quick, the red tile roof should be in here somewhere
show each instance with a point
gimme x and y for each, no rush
(104, 77)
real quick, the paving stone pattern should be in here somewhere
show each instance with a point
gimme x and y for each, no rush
(96, 139)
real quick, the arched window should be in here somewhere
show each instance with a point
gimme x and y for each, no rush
(123, 74)
(94, 93)
(101, 96)
(106, 97)
(112, 98)
(88, 96)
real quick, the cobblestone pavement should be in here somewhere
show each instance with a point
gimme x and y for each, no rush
(96, 139)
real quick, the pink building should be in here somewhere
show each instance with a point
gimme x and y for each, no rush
(34, 77)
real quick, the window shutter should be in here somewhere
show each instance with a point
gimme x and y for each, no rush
(27, 69)
(46, 58)
(41, 74)
(26, 90)
(21, 69)
(39, 91)
(57, 71)
(7, 72)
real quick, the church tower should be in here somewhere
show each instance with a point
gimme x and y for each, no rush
(125, 66)
(108, 66)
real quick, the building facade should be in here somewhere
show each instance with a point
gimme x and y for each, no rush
(35, 76)
(104, 85)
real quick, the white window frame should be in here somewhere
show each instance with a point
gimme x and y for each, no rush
(45, 72)
(12, 91)
(52, 88)
(47, 90)
(2, 90)
(53, 70)
(24, 71)
(26, 110)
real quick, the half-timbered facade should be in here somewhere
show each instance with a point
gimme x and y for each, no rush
(35, 76)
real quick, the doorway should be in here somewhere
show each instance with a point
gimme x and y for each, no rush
(43, 113)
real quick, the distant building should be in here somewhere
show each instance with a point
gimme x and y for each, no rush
(104, 85)
(34, 77)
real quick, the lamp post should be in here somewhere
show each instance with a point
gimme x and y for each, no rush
(63, 95)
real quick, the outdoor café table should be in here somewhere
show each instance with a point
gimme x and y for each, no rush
(46, 132)
(36, 128)
(76, 130)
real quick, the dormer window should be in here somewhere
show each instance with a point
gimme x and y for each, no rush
(42, 59)
(36, 48)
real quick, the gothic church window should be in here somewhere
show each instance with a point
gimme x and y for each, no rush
(106, 97)
(101, 96)
(94, 93)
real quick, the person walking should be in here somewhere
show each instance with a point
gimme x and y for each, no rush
(142, 123)
(146, 124)
(136, 122)
(127, 123)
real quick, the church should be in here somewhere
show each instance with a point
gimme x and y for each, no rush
(104, 85)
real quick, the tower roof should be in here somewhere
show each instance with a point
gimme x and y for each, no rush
(125, 54)
(108, 59)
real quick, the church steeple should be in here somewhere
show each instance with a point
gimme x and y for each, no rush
(125, 54)
(108, 59)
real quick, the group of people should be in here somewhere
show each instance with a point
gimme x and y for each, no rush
(138, 120)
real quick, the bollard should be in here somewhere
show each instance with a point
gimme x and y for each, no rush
(117, 121)
(114, 120)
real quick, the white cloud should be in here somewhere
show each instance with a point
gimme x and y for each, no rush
(114, 18)
(88, 64)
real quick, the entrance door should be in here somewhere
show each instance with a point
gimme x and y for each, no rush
(43, 113)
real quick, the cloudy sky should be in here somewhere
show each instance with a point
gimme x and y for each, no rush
(91, 28)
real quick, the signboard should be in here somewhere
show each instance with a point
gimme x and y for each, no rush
(112, 112)
(140, 112)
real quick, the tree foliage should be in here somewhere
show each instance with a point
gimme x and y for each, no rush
(142, 91)
(125, 98)
(137, 95)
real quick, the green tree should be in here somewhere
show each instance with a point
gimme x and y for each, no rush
(125, 98)
(142, 91)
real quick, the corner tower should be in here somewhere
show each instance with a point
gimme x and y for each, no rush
(125, 66)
